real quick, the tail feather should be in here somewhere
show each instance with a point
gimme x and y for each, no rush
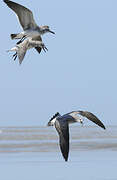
(13, 36)
(17, 36)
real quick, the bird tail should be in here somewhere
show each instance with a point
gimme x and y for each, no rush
(13, 36)
(16, 36)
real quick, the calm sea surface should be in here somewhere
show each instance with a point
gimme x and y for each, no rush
(31, 153)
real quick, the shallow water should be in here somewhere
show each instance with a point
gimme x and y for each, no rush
(31, 153)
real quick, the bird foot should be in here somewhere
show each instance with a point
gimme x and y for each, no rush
(45, 48)
(14, 56)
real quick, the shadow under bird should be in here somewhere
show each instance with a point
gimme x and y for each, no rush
(61, 124)
(28, 43)
(25, 16)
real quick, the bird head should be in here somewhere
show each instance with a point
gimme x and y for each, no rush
(45, 29)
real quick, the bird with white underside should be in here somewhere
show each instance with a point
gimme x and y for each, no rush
(61, 124)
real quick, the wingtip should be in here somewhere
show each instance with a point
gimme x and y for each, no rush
(66, 159)
(20, 62)
(101, 125)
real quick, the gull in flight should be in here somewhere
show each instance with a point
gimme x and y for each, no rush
(25, 16)
(61, 124)
(26, 44)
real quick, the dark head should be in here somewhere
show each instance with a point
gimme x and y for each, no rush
(45, 29)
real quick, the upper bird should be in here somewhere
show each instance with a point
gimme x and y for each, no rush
(61, 124)
(25, 16)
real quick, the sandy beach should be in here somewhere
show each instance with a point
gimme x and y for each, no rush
(32, 153)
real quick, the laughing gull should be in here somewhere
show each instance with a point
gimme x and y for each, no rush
(25, 16)
(61, 124)
(26, 44)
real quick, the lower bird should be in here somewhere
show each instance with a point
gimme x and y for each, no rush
(61, 124)
(28, 43)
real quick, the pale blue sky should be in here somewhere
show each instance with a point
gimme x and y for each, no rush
(78, 72)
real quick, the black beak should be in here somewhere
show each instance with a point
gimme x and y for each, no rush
(51, 32)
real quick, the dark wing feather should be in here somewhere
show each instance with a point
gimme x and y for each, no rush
(63, 131)
(92, 118)
(38, 49)
(25, 16)
(38, 38)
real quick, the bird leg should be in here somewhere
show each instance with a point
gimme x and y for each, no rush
(44, 48)
(15, 56)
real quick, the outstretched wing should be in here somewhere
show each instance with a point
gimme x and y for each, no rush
(25, 16)
(63, 131)
(92, 118)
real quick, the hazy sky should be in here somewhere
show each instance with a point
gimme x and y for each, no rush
(79, 72)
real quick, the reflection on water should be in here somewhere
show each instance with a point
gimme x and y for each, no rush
(45, 139)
